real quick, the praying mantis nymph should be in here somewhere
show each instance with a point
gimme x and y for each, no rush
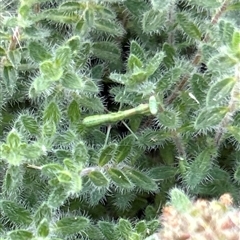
(95, 120)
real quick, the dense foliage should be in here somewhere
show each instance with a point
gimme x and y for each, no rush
(107, 105)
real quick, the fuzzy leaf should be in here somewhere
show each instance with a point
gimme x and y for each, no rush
(20, 234)
(153, 63)
(57, 197)
(235, 132)
(89, 17)
(72, 81)
(14, 57)
(235, 44)
(64, 177)
(98, 179)
(71, 225)
(9, 78)
(163, 172)
(141, 227)
(52, 169)
(124, 149)
(219, 90)
(107, 229)
(168, 119)
(29, 123)
(107, 51)
(51, 71)
(169, 55)
(137, 50)
(198, 169)
(16, 213)
(43, 228)
(74, 43)
(189, 27)
(106, 154)
(109, 26)
(134, 62)
(141, 180)
(63, 56)
(179, 200)
(49, 129)
(237, 174)
(210, 117)
(73, 111)
(37, 52)
(13, 140)
(153, 20)
(119, 178)
(43, 212)
(124, 227)
(226, 30)
(52, 113)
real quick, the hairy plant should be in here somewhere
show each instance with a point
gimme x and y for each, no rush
(107, 105)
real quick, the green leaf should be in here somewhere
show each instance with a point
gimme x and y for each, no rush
(49, 129)
(107, 229)
(107, 51)
(153, 21)
(134, 62)
(169, 55)
(141, 180)
(153, 106)
(141, 227)
(137, 50)
(15, 57)
(163, 172)
(42, 213)
(29, 123)
(233, 7)
(169, 119)
(219, 90)
(20, 234)
(43, 229)
(124, 149)
(119, 178)
(13, 140)
(9, 78)
(210, 117)
(73, 112)
(226, 30)
(189, 27)
(71, 225)
(237, 174)
(51, 71)
(125, 228)
(57, 197)
(52, 169)
(106, 154)
(52, 113)
(16, 213)
(235, 44)
(198, 170)
(64, 177)
(37, 52)
(235, 132)
(74, 43)
(109, 26)
(153, 63)
(89, 17)
(63, 56)
(39, 85)
(179, 200)
(81, 27)
(72, 81)
(80, 153)
(98, 179)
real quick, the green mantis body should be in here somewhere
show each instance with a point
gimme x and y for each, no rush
(95, 120)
